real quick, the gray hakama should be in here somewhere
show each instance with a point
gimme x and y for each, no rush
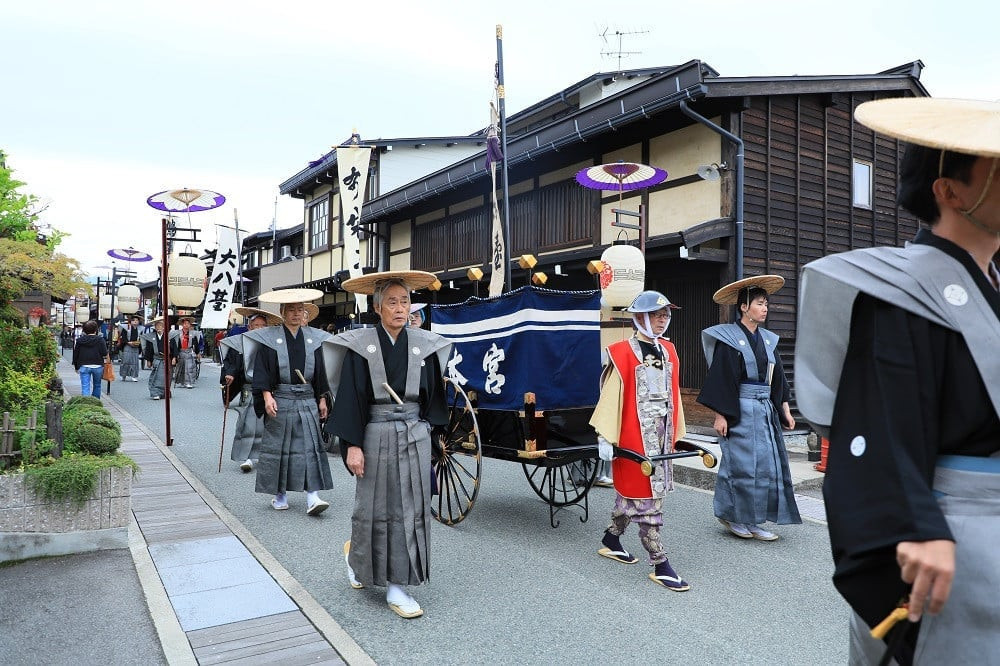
(130, 352)
(153, 347)
(249, 427)
(292, 456)
(187, 367)
(754, 483)
(966, 629)
(390, 526)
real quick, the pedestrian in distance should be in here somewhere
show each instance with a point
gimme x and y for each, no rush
(90, 353)
(155, 345)
(130, 345)
(249, 429)
(290, 390)
(747, 390)
(640, 409)
(897, 361)
(389, 402)
(192, 346)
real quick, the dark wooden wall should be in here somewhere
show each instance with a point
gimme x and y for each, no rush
(798, 202)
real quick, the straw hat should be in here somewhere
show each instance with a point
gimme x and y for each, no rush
(272, 319)
(290, 296)
(961, 125)
(730, 294)
(365, 284)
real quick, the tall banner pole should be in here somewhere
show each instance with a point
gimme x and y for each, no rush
(503, 147)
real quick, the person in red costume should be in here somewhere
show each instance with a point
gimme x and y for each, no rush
(640, 409)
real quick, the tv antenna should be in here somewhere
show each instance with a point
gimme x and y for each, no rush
(620, 34)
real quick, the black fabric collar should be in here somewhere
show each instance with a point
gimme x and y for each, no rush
(961, 255)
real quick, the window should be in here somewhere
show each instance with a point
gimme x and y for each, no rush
(319, 224)
(861, 184)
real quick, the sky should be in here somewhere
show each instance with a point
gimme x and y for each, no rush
(107, 102)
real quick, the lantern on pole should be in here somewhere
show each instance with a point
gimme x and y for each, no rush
(104, 301)
(186, 280)
(128, 298)
(623, 274)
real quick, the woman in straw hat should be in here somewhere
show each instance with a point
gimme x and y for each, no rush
(249, 429)
(289, 388)
(897, 358)
(389, 396)
(747, 390)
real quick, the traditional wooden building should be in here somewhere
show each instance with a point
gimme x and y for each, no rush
(765, 174)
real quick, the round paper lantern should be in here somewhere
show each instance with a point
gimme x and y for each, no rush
(82, 313)
(186, 277)
(103, 303)
(623, 275)
(128, 299)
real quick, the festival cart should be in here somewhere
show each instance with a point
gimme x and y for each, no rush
(523, 379)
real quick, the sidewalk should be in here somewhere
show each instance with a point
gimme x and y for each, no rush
(196, 588)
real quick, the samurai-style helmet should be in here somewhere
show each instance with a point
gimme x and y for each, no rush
(650, 301)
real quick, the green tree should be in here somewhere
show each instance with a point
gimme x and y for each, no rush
(30, 261)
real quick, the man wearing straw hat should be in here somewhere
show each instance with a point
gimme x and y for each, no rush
(154, 344)
(289, 390)
(192, 345)
(389, 396)
(898, 359)
(249, 429)
(747, 390)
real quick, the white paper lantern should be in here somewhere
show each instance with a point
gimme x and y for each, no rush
(234, 316)
(82, 313)
(624, 274)
(128, 299)
(103, 303)
(186, 281)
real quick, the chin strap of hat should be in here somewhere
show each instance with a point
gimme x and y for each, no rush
(967, 213)
(641, 320)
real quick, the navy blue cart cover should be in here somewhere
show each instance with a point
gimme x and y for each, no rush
(528, 340)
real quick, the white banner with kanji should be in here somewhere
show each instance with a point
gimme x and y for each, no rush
(352, 169)
(225, 274)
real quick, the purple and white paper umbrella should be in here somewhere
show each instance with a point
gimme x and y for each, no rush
(130, 254)
(620, 176)
(186, 200)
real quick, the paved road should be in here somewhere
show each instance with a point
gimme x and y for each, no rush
(508, 589)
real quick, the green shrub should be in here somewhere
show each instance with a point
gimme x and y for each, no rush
(72, 477)
(77, 400)
(93, 438)
(21, 391)
(32, 351)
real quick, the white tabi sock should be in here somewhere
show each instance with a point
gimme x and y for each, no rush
(312, 497)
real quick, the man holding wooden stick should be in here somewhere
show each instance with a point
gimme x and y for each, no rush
(389, 397)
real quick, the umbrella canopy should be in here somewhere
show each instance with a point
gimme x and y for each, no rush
(130, 254)
(186, 200)
(620, 176)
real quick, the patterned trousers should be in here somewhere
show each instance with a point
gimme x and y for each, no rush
(648, 514)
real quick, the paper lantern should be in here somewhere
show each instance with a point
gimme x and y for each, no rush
(623, 275)
(128, 299)
(186, 277)
(82, 313)
(234, 316)
(103, 303)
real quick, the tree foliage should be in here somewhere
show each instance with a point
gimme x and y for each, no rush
(29, 260)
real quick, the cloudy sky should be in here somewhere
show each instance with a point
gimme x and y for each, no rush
(106, 102)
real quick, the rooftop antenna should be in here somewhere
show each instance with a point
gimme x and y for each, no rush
(619, 53)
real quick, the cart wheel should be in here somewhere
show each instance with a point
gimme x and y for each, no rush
(457, 459)
(562, 485)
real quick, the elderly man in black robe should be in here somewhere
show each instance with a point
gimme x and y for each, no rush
(389, 398)
(289, 390)
(897, 359)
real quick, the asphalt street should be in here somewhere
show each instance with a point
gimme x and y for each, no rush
(506, 588)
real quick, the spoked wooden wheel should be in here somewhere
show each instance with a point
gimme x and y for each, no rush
(562, 485)
(457, 458)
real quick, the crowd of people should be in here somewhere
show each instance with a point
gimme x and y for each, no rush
(891, 365)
